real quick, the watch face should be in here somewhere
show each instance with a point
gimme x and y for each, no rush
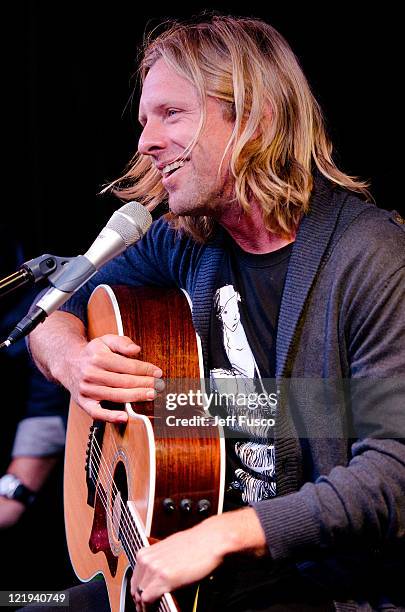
(8, 485)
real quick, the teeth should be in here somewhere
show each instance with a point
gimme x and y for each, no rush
(172, 166)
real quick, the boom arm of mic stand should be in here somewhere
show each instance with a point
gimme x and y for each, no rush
(33, 271)
(15, 280)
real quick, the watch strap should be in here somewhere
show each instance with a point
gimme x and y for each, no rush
(11, 487)
(24, 495)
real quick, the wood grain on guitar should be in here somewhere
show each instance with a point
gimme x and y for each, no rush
(126, 484)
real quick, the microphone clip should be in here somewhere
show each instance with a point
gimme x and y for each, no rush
(34, 270)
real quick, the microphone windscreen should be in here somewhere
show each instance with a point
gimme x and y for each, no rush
(131, 221)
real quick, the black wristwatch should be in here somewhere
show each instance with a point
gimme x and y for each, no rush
(12, 488)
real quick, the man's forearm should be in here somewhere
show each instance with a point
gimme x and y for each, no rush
(32, 471)
(242, 532)
(192, 554)
(53, 343)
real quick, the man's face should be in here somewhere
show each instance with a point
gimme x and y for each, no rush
(170, 112)
(230, 314)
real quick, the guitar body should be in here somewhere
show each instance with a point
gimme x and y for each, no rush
(126, 484)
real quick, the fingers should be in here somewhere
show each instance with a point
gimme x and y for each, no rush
(108, 370)
(123, 365)
(116, 354)
(150, 580)
(96, 412)
(171, 563)
(120, 344)
(117, 395)
(96, 376)
(90, 396)
(106, 375)
(140, 606)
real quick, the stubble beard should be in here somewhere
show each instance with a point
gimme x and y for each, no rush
(212, 203)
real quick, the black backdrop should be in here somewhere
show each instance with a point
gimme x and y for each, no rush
(68, 128)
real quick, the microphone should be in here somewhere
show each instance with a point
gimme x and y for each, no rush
(126, 226)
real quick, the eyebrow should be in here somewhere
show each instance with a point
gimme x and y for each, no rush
(155, 109)
(163, 106)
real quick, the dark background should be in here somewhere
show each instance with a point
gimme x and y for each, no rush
(69, 127)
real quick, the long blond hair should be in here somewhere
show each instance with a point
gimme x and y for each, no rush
(278, 137)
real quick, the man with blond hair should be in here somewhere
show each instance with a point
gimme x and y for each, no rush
(234, 140)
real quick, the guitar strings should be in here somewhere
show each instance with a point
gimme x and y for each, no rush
(126, 514)
(125, 524)
(163, 605)
(141, 543)
(164, 598)
(131, 529)
(110, 480)
(103, 497)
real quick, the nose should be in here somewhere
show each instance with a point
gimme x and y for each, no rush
(152, 139)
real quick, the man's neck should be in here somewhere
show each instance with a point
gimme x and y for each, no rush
(249, 232)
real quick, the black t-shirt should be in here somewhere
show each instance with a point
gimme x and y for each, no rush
(242, 363)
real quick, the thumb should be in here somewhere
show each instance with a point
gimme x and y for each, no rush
(121, 344)
(94, 409)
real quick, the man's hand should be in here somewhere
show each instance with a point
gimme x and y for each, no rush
(190, 555)
(11, 511)
(106, 369)
(33, 472)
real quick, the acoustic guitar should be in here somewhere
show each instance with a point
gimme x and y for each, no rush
(129, 484)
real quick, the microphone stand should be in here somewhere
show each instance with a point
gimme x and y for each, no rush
(33, 271)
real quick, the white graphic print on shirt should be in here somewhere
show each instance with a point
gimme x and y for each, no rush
(256, 456)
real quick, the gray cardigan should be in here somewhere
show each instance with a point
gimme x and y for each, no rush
(340, 457)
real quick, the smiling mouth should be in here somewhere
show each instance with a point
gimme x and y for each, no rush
(172, 168)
